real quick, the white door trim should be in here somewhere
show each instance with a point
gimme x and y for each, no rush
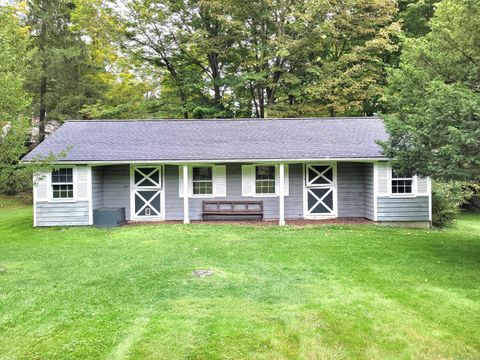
(159, 188)
(307, 185)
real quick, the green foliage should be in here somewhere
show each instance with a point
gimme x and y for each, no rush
(447, 197)
(415, 16)
(433, 99)
(14, 100)
(63, 76)
(265, 58)
(14, 58)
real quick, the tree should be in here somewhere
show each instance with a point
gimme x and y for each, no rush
(267, 57)
(14, 100)
(62, 79)
(433, 99)
(415, 16)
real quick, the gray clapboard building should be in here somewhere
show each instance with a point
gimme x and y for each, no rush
(278, 169)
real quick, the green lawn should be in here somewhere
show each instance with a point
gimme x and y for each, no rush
(327, 292)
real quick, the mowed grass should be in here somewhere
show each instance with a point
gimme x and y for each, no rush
(326, 292)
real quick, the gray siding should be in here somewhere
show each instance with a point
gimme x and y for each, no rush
(116, 187)
(403, 209)
(350, 189)
(293, 202)
(97, 187)
(62, 213)
(368, 192)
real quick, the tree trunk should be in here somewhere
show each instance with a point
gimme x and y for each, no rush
(261, 101)
(215, 69)
(42, 111)
(43, 84)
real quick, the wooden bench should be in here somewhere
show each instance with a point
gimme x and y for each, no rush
(232, 210)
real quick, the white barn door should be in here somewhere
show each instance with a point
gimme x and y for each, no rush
(320, 190)
(146, 193)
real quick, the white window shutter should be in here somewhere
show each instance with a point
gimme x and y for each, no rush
(82, 182)
(422, 186)
(40, 185)
(248, 180)
(383, 178)
(219, 180)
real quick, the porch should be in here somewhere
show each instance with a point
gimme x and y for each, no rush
(290, 192)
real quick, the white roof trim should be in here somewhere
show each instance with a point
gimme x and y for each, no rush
(217, 161)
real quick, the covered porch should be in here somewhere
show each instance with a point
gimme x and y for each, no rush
(287, 191)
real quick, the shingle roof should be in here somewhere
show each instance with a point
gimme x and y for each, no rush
(249, 139)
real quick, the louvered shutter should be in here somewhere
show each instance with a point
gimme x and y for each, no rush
(81, 182)
(422, 186)
(248, 180)
(383, 178)
(219, 180)
(40, 183)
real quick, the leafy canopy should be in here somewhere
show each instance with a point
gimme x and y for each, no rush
(433, 98)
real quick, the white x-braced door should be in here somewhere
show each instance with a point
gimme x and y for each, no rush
(320, 190)
(146, 193)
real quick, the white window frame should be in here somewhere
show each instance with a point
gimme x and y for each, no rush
(190, 180)
(400, 195)
(51, 183)
(275, 172)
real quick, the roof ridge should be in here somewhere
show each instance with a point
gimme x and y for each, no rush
(224, 119)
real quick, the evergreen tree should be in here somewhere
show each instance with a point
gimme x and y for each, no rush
(433, 99)
(62, 77)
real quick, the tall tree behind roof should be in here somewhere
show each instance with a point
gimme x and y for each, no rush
(62, 76)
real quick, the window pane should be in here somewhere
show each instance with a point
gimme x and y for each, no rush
(202, 173)
(63, 175)
(265, 172)
(62, 191)
(265, 187)
(202, 188)
(401, 186)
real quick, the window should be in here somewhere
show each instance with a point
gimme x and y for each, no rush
(62, 183)
(265, 180)
(202, 180)
(401, 185)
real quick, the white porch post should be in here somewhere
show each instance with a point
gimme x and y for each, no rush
(186, 219)
(281, 195)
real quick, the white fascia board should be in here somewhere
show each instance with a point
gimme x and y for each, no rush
(218, 161)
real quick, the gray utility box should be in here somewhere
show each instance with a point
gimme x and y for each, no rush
(108, 217)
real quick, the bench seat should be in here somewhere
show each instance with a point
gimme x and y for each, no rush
(232, 210)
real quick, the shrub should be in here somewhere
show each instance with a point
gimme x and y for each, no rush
(447, 197)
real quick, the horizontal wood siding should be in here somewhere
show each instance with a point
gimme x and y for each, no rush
(173, 202)
(116, 187)
(368, 192)
(293, 202)
(97, 187)
(403, 209)
(62, 213)
(350, 189)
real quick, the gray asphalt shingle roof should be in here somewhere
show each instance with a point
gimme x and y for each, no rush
(252, 139)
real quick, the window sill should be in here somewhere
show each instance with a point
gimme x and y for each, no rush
(265, 195)
(62, 200)
(402, 196)
(202, 196)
